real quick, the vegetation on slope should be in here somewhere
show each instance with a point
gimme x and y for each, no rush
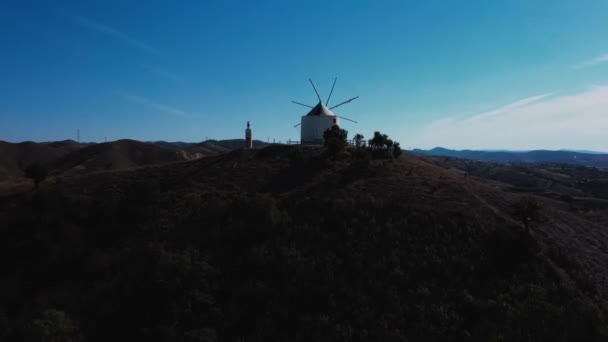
(284, 244)
(14, 158)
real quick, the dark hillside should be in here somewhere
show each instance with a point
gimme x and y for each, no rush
(284, 244)
(121, 154)
(14, 158)
(215, 147)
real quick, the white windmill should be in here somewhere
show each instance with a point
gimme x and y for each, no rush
(319, 118)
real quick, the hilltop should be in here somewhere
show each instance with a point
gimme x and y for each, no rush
(70, 157)
(14, 158)
(210, 147)
(284, 243)
(117, 155)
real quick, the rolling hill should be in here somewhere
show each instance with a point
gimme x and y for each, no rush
(14, 158)
(537, 156)
(116, 155)
(70, 157)
(284, 243)
(210, 147)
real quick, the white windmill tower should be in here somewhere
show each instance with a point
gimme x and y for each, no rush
(319, 118)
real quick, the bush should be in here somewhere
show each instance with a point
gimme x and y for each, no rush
(358, 140)
(296, 156)
(335, 140)
(360, 157)
(396, 150)
(527, 210)
(508, 248)
(36, 172)
(54, 326)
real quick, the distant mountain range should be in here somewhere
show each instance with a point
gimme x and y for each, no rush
(587, 158)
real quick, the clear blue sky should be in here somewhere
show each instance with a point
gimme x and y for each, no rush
(460, 74)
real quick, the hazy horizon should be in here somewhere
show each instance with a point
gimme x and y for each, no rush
(483, 76)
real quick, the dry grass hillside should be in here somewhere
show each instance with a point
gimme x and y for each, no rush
(116, 155)
(285, 243)
(14, 158)
(215, 147)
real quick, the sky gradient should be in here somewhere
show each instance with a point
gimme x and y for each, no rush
(475, 74)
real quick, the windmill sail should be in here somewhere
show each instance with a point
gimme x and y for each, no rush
(319, 118)
(345, 102)
(301, 104)
(347, 119)
(315, 88)
(331, 91)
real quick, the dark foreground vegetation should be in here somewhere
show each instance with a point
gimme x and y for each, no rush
(288, 244)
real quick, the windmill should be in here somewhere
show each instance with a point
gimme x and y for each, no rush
(319, 118)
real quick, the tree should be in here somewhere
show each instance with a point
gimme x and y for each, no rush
(377, 141)
(382, 146)
(358, 139)
(396, 150)
(335, 140)
(36, 172)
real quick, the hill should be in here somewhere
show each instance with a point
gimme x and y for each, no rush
(116, 155)
(14, 158)
(71, 157)
(283, 243)
(537, 156)
(210, 147)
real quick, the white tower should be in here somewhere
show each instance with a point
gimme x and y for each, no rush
(248, 139)
(319, 118)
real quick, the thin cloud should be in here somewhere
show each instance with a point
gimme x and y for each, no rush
(508, 108)
(592, 62)
(577, 121)
(154, 105)
(109, 31)
(163, 73)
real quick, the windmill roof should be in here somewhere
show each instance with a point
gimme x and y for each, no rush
(320, 110)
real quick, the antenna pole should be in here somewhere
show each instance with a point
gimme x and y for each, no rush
(332, 90)
(315, 88)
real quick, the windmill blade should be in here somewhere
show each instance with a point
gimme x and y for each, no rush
(301, 104)
(347, 119)
(332, 90)
(297, 125)
(315, 88)
(347, 101)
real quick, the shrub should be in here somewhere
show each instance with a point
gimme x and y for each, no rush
(527, 210)
(396, 150)
(54, 326)
(36, 172)
(360, 157)
(296, 156)
(508, 248)
(358, 139)
(335, 140)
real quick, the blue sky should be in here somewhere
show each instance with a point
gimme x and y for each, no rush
(458, 74)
